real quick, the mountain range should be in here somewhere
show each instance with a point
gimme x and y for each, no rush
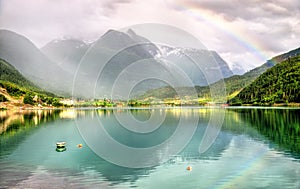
(124, 64)
(117, 61)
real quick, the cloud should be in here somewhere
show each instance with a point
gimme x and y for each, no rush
(272, 26)
(269, 26)
(248, 10)
(41, 20)
(111, 4)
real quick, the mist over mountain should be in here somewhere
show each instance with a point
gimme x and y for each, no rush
(119, 63)
(115, 55)
(237, 69)
(124, 62)
(67, 53)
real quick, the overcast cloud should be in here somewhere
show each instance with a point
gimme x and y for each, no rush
(243, 32)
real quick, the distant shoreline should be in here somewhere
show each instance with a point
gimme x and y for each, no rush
(275, 106)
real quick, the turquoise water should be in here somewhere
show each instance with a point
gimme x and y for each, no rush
(255, 148)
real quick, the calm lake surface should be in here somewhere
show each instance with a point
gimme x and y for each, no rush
(254, 148)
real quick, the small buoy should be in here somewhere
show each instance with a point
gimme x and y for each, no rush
(79, 145)
(189, 168)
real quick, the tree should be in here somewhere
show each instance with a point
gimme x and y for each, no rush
(3, 98)
(56, 102)
(28, 99)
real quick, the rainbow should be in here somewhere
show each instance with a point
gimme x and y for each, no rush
(241, 173)
(246, 41)
(250, 44)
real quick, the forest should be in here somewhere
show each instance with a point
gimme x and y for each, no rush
(279, 84)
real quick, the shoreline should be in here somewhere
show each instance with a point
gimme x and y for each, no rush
(277, 106)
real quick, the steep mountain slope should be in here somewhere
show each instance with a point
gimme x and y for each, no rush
(278, 84)
(11, 77)
(16, 90)
(9, 74)
(31, 62)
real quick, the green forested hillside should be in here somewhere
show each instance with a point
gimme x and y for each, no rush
(279, 84)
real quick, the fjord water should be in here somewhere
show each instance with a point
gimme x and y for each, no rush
(256, 148)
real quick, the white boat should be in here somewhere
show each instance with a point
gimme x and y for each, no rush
(60, 144)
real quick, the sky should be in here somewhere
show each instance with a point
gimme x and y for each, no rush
(244, 32)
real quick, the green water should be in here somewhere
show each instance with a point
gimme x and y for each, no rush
(255, 148)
